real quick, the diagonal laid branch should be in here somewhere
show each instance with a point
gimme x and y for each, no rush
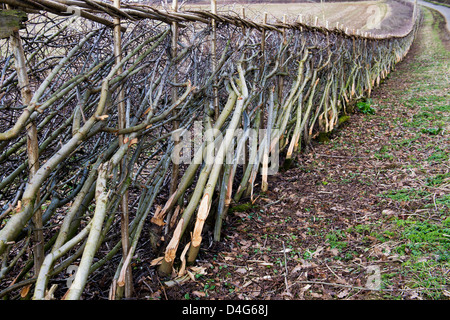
(92, 244)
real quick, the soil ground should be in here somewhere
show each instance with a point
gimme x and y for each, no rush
(363, 215)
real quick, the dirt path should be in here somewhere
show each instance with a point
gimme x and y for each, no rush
(364, 215)
(445, 11)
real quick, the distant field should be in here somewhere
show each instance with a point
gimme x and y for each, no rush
(382, 16)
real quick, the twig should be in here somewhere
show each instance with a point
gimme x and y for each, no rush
(274, 202)
(341, 157)
(286, 269)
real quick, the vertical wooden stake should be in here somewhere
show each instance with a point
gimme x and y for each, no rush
(280, 79)
(176, 124)
(263, 46)
(32, 147)
(265, 162)
(214, 59)
(244, 32)
(127, 289)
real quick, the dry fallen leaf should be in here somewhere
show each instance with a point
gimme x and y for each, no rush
(199, 293)
(316, 295)
(25, 290)
(156, 295)
(343, 293)
(241, 270)
(388, 212)
(334, 251)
